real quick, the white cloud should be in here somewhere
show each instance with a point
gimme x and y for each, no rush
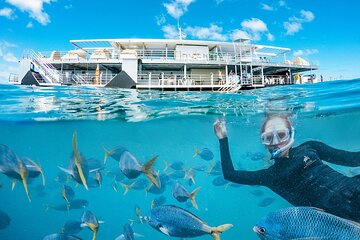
(239, 34)
(170, 32)
(308, 16)
(5, 54)
(305, 52)
(292, 27)
(9, 57)
(254, 25)
(270, 37)
(69, 6)
(294, 24)
(254, 28)
(34, 8)
(160, 20)
(29, 25)
(213, 32)
(8, 13)
(177, 8)
(266, 7)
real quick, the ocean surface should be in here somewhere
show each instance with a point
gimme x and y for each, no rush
(40, 122)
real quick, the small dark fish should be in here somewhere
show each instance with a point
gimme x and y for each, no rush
(201, 168)
(257, 192)
(177, 165)
(163, 181)
(158, 201)
(79, 204)
(305, 223)
(60, 236)
(128, 233)
(176, 174)
(266, 202)
(71, 227)
(114, 153)
(4, 220)
(61, 177)
(219, 181)
(74, 204)
(90, 220)
(178, 222)
(204, 153)
(67, 193)
(138, 213)
(95, 165)
(181, 194)
(235, 185)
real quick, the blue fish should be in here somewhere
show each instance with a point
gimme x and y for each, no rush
(130, 166)
(4, 220)
(181, 194)
(204, 153)
(78, 168)
(71, 227)
(60, 236)
(128, 233)
(266, 202)
(178, 222)
(13, 167)
(67, 193)
(219, 181)
(158, 201)
(89, 219)
(257, 192)
(305, 223)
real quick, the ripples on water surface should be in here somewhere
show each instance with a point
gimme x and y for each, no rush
(39, 123)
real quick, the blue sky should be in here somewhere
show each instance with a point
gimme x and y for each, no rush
(325, 33)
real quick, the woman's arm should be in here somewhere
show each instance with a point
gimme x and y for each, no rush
(230, 174)
(243, 177)
(336, 156)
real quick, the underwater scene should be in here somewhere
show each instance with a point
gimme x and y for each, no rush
(96, 163)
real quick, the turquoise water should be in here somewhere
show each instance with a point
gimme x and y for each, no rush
(40, 122)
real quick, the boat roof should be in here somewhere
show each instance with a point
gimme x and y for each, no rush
(149, 44)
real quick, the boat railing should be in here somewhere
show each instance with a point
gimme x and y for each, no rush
(87, 78)
(46, 69)
(177, 79)
(14, 78)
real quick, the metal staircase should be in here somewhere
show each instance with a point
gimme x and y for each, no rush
(49, 74)
(230, 87)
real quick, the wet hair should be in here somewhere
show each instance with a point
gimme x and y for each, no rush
(270, 117)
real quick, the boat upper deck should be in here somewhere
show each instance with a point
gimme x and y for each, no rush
(172, 51)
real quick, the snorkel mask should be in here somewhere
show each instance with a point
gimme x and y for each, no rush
(281, 135)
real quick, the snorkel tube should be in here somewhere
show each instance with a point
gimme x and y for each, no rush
(278, 151)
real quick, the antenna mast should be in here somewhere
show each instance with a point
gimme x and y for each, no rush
(179, 28)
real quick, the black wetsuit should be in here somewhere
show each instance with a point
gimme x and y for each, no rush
(304, 180)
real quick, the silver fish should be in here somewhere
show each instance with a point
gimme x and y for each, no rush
(178, 222)
(305, 223)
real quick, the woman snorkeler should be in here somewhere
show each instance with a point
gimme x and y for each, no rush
(298, 173)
